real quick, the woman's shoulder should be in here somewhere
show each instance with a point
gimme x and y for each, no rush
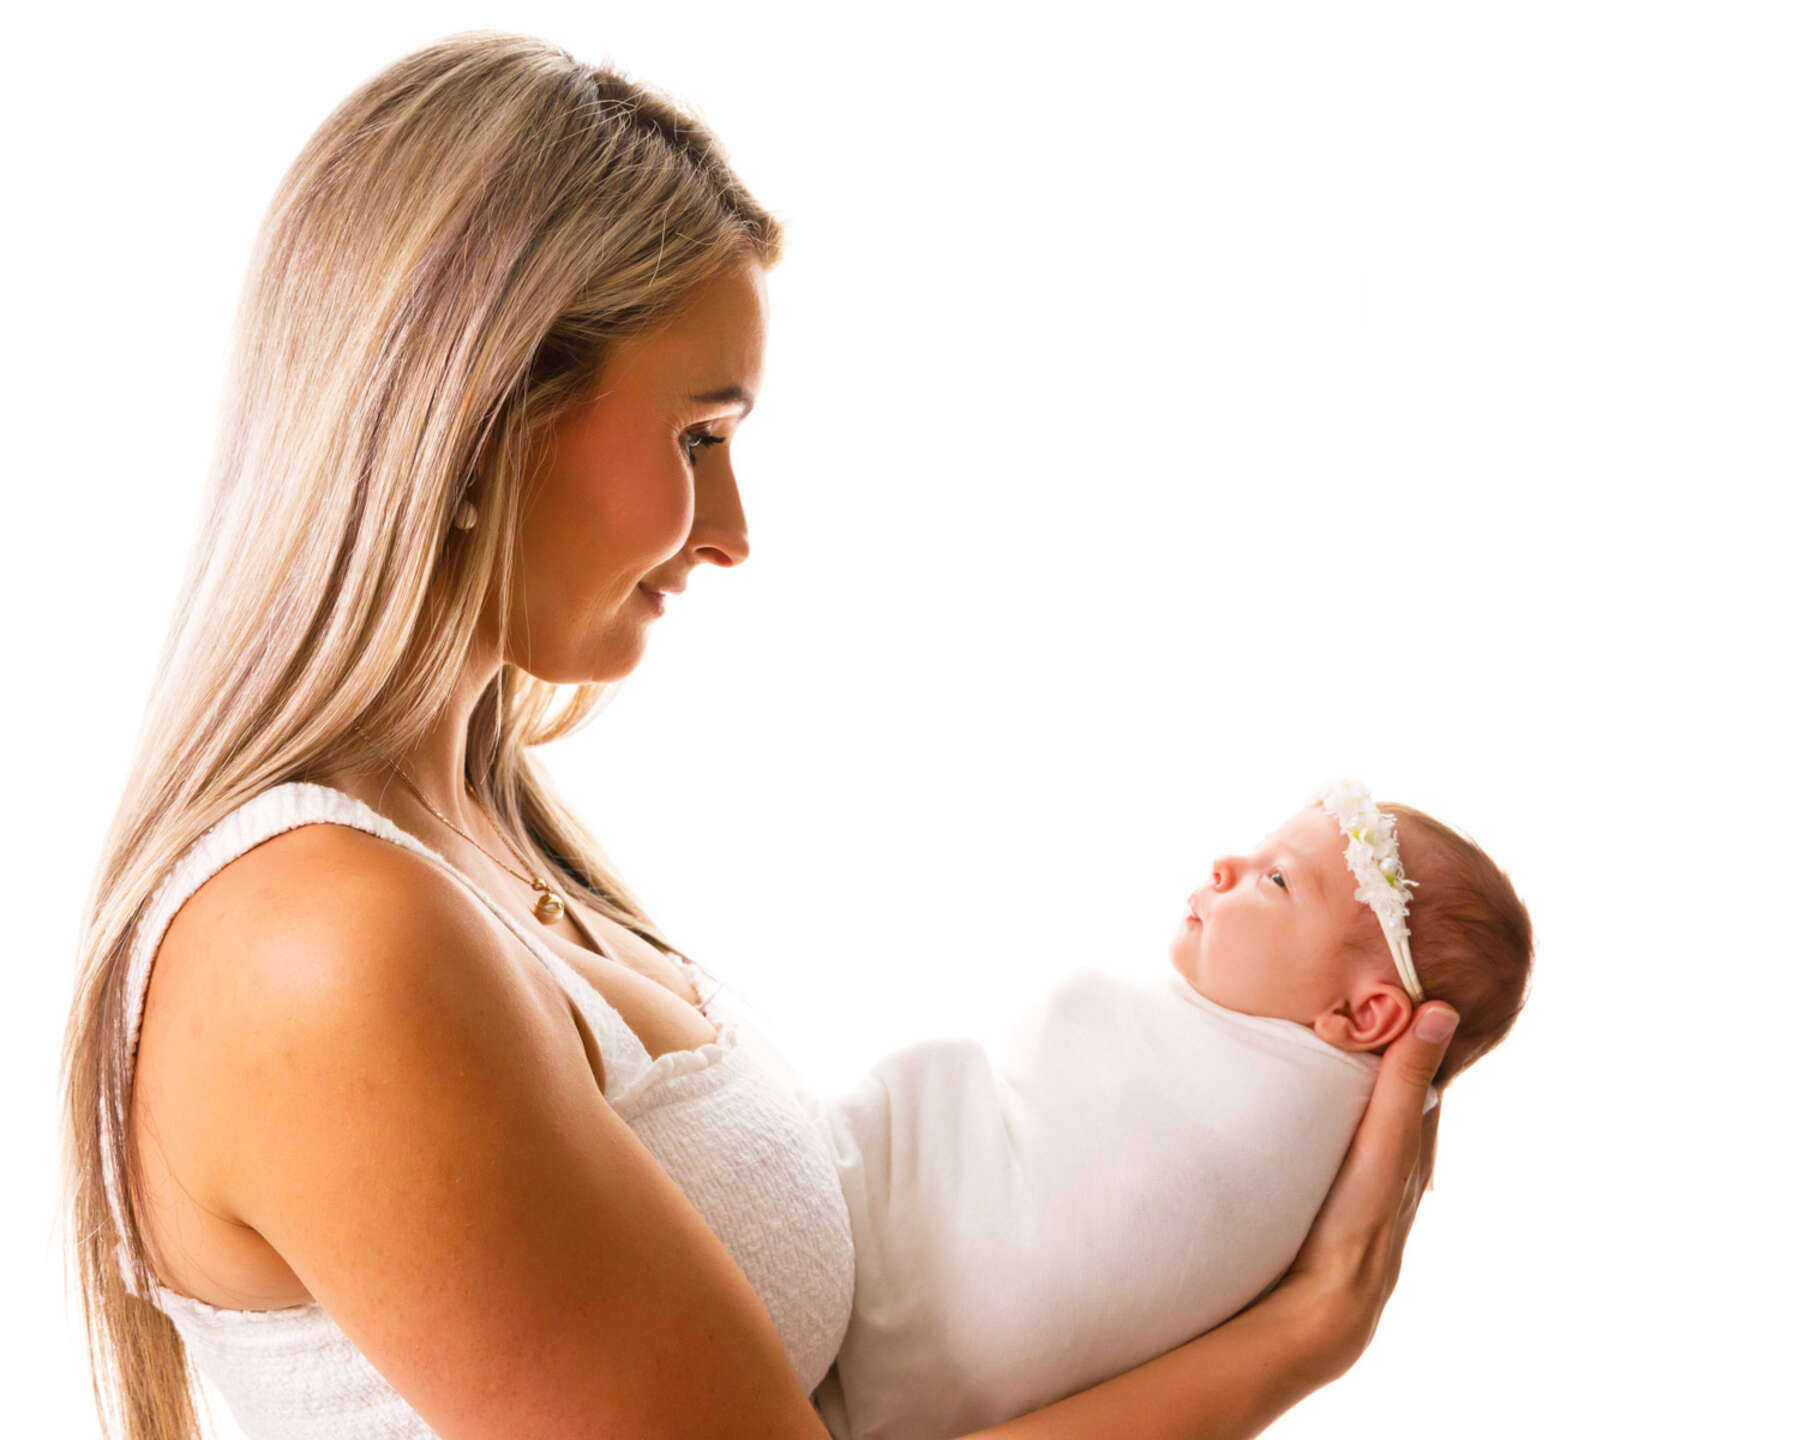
(322, 939)
(296, 909)
(314, 872)
(323, 917)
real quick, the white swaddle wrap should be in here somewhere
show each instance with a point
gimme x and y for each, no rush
(1138, 1165)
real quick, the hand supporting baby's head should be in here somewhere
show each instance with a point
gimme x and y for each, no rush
(1291, 930)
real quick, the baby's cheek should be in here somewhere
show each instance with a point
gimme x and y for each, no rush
(1273, 983)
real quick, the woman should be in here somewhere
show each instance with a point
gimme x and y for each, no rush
(387, 1104)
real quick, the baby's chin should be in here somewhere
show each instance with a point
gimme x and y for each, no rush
(1187, 965)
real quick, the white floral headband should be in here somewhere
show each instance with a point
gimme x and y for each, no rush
(1373, 856)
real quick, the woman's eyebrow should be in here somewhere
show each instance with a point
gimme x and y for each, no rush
(730, 395)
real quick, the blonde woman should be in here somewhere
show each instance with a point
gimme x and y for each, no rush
(387, 1106)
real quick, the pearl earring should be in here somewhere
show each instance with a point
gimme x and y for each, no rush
(465, 517)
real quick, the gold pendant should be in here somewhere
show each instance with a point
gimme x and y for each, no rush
(549, 908)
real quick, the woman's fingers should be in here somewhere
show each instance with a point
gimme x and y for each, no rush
(1350, 1260)
(1418, 1181)
(1428, 1143)
(1391, 1126)
(1377, 1186)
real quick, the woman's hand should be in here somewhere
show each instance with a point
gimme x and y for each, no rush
(1350, 1262)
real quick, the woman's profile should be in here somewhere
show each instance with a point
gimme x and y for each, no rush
(388, 1108)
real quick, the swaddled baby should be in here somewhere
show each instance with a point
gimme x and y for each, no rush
(1146, 1156)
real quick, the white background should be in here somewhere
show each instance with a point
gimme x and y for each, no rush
(1159, 415)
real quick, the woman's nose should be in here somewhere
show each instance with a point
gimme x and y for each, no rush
(721, 535)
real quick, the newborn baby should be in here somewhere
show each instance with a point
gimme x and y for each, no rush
(1146, 1155)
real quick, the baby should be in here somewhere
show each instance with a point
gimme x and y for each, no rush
(1147, 1155)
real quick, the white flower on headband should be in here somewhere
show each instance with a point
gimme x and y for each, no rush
(1373, 855)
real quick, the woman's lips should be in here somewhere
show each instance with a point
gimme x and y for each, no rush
(653, 596)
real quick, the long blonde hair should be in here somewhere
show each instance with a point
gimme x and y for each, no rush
(440, 276)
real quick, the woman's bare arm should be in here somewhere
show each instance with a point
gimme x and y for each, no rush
(1229, 1383)
(414, 1127)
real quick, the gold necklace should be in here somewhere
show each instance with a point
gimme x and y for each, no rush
(549, 907)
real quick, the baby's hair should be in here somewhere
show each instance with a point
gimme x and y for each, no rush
(1471, 935)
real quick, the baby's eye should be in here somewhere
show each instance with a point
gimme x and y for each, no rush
(1278, 878)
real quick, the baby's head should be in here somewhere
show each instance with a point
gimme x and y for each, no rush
(1281, 932)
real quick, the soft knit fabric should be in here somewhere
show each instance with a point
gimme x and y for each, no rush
(729, 1121)
(1138, 1165)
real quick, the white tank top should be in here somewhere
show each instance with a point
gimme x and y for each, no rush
(730, 1122)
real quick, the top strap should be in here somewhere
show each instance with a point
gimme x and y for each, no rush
(299, 802)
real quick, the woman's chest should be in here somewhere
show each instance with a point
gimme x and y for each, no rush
(647, 988)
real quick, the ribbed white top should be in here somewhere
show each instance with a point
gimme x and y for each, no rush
(730, 1122)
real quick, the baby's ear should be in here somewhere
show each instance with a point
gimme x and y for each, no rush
(1373, 1014)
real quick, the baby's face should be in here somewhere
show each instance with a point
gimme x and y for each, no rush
(1272, 932)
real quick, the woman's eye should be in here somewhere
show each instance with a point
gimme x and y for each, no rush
(698, 439)
(1278, 878)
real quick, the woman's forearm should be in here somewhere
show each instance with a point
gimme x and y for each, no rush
(1227, 1384)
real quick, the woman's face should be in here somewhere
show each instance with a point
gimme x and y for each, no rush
(634, 487)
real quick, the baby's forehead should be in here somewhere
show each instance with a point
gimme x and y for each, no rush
(1311, 830)
(1313, 839)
